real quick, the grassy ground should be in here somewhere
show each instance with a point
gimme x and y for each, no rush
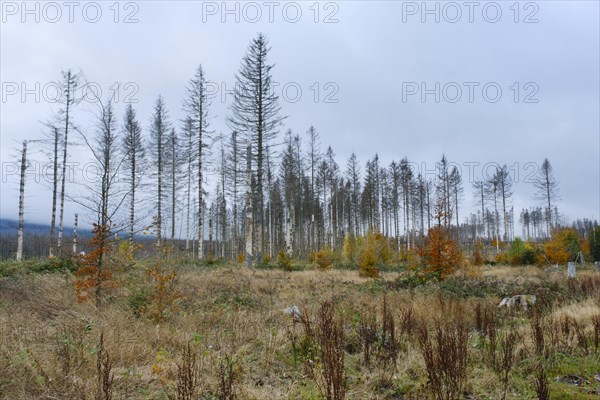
(231, 320)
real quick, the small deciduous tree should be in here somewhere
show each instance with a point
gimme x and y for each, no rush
(162, 280)
(90, 279)
(323, 258)
(564, 246)
(440, 254)
(374, 252)
(104, 197)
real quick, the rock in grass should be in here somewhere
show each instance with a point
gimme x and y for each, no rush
(294, 311)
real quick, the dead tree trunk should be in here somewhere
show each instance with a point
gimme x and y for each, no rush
(54, 189)
(249, 217)
(69, 100)
(75, 234)
(22, 202)
(289, 230)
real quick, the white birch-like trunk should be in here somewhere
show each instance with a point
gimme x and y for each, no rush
(75, 235)
(22, 203)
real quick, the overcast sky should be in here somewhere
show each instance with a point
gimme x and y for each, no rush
(356, 70)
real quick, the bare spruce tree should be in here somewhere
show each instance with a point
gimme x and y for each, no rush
(189, 155)
(55, 139)
(159, 129)
(249, 204)
(406, 182)
(196, 106)
(332, 181)
(353, 176)
(134, 157)
(290, 178)
(547, 190)
(456, 190)
(222, 200)
(70, 81)
(255, 112)
(493, 191)
(395, 200)
(314, 157)
(443, 190)
(173, 161)
(234, 178)
(479, 187)
(421, 194)
(505, 187)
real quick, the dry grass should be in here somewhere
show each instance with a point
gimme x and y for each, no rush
(229, 338)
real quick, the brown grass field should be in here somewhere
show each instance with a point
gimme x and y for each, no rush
(222, 334)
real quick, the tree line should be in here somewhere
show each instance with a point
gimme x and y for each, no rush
(275, 190)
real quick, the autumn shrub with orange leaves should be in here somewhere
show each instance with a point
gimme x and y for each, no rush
(94, 273)
(477, 257)
(563, 247)
(323, 259)
(440, 255)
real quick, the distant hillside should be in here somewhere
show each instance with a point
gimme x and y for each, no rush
(9, 227)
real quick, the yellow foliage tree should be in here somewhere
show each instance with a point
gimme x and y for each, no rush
(373, 253)
(162, 280)
(349, 250)
(563, 247)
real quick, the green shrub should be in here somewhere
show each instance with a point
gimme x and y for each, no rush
(516, 251)
(36, 265)
(283, 261)
(138, 301)
(530, 253)
(367, 262)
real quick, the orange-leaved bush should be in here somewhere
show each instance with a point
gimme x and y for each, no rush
(439, 254)
(323, 258)
(563, 247)
(93, 273)
(477, 257)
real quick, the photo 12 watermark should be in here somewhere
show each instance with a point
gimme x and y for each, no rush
(288, 92)
(87, 173)
(253, 12)
(54, 12)
(453, 12)
(477, 171)
(91, 172)
(469, 92)
(55, 92)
